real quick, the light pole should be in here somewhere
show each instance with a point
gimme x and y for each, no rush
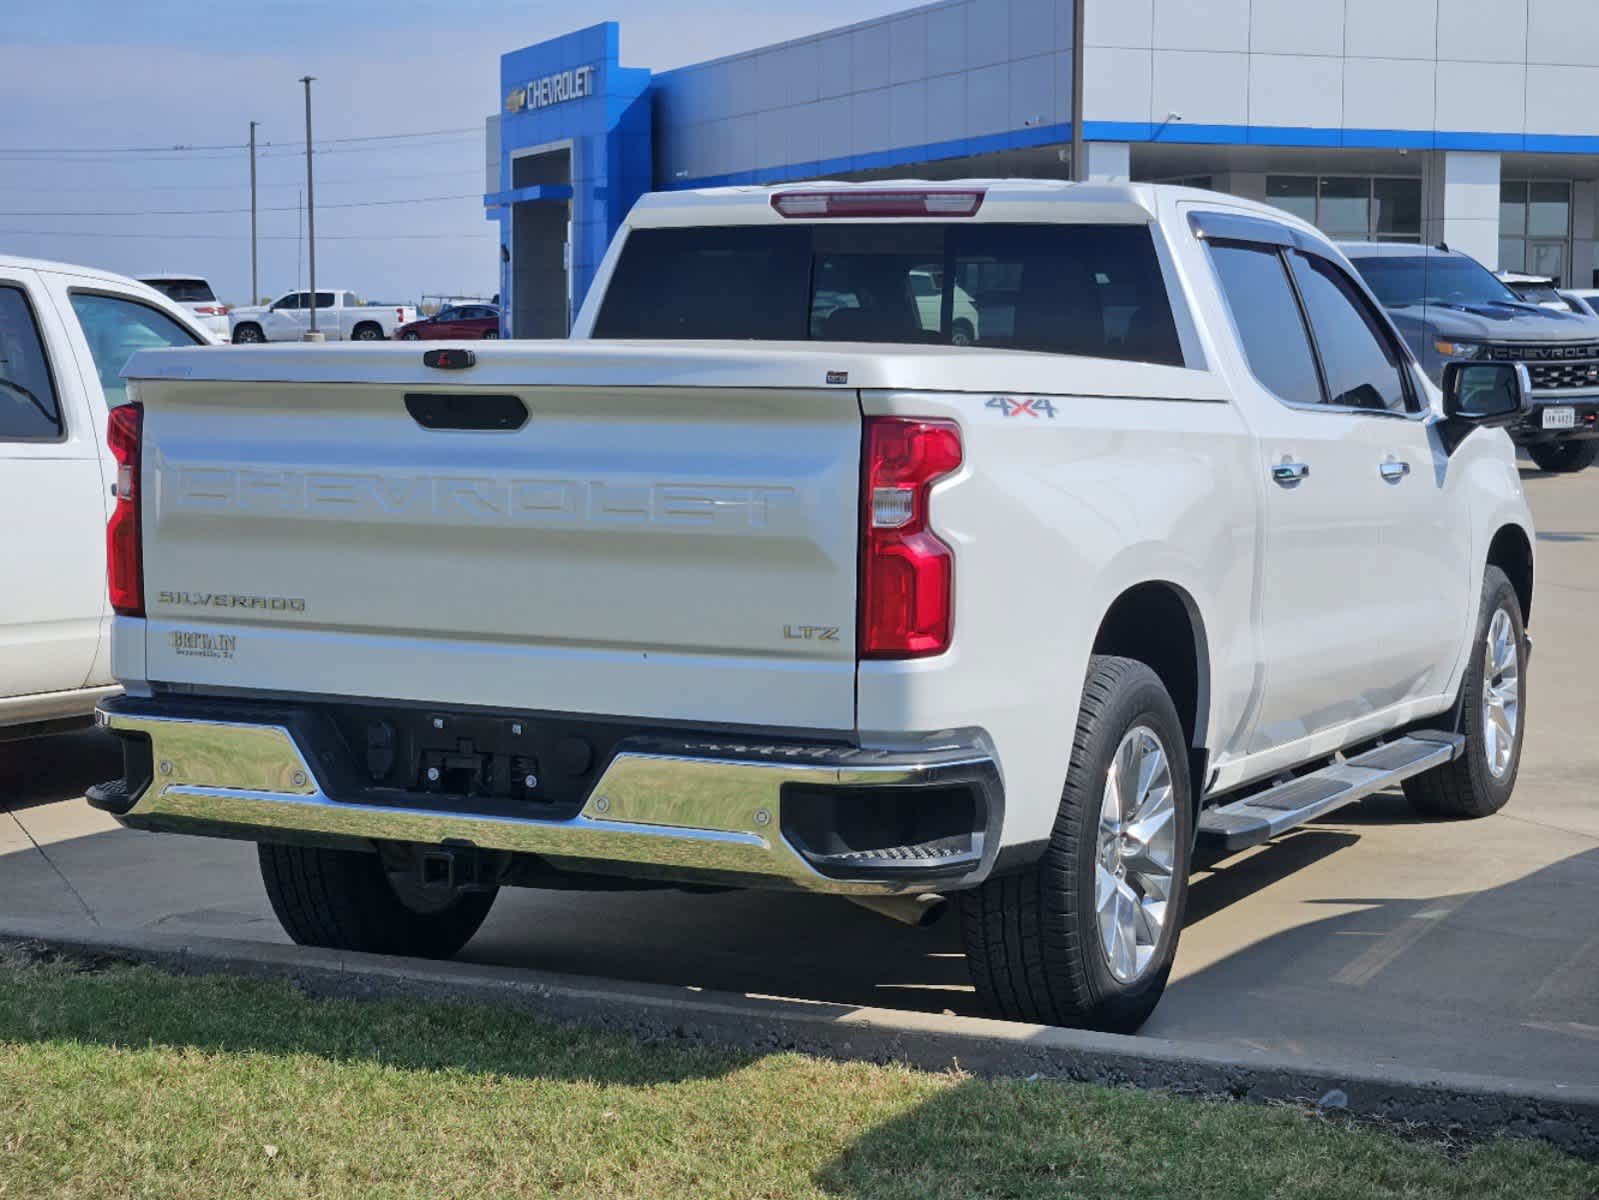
(310, 210)
(1079, 151)
(255, 286)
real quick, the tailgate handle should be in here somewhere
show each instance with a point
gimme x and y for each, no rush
(454, 410)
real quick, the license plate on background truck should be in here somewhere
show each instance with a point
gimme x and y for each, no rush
(1559, 418)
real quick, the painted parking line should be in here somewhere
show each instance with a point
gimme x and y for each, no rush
(1398, 940)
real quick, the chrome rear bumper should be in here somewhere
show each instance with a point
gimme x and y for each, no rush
(692, 810)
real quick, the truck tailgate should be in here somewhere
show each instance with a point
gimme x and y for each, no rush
(664, 552)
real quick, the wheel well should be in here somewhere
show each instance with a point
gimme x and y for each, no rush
(1159, 625)
(1511, 552)
(367, 325)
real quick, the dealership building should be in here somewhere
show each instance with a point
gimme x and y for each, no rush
(1470, 122)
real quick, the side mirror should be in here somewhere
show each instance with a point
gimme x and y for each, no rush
(1489, 394)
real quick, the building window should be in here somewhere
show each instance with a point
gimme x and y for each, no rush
(1352, 207)
(1535, 226)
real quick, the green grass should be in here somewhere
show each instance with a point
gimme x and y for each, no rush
(127, 1082)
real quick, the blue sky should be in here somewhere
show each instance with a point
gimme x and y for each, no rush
(104, 74)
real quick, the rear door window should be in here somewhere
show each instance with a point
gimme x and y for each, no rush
(115, 327)
(1066, 289)
(1255, 284)
(29, 411)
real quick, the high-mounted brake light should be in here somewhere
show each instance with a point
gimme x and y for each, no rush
(907, 572)
(922, 202)
(123, 541)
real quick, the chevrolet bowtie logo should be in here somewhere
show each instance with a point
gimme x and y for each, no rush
(516, 99)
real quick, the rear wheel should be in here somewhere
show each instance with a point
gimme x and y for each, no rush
(346, 900)
(1086, 935)
(246, 334)
(491, 334)
(1493, 715)
(410, 335)
(368, 332)
(1564, 457)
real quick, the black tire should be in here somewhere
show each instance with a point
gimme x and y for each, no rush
(490, 335)
(962, 333)
(1565, 457)
(366, 331)
(247, 335)
(1032, 937)
(344, 900)
(410, 335)
(1468, 788)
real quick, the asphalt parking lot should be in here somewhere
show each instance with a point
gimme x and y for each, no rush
(1372, 935)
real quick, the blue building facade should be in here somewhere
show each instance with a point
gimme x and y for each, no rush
(1397, 120)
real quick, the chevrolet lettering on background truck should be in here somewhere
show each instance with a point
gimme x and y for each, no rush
(1149, 534)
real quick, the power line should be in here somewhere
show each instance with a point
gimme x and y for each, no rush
(219, 212)
(282, 151)
(229, 237)
(439, 143)
(342, 181)
(104, 161)
(190, 148)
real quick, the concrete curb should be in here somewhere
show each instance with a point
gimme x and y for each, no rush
(1566, 1115)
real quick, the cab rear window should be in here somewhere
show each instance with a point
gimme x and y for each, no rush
(184, 291)
(1092, 290)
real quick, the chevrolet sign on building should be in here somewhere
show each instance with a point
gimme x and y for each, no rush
(551, 89)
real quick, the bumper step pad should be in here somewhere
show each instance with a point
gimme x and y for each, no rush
(1263, 815)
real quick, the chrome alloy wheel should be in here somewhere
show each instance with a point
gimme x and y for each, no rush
(1501, 692)
(1136, 853)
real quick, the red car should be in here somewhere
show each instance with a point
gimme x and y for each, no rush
(454, 324)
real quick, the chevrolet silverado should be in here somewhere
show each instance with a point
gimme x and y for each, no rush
(1174, 545)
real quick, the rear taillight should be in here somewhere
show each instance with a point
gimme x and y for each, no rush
(921, 202)
(123, 541)
(907, 573)
(211, 310)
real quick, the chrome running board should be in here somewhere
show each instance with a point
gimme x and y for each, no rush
(1262, 815)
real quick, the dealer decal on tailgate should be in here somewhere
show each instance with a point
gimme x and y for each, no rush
(194, 644)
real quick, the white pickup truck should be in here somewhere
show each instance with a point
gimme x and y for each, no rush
(340, 317)
(1183, 547)
(65, 334)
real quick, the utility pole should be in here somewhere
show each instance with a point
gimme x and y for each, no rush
(310, 209)
(1079, 152)
(255, 286)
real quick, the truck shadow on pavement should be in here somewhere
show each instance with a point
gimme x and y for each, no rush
(49, 769)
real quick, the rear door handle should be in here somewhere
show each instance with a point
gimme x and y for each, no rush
(1393, 470)
(1289, 473)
